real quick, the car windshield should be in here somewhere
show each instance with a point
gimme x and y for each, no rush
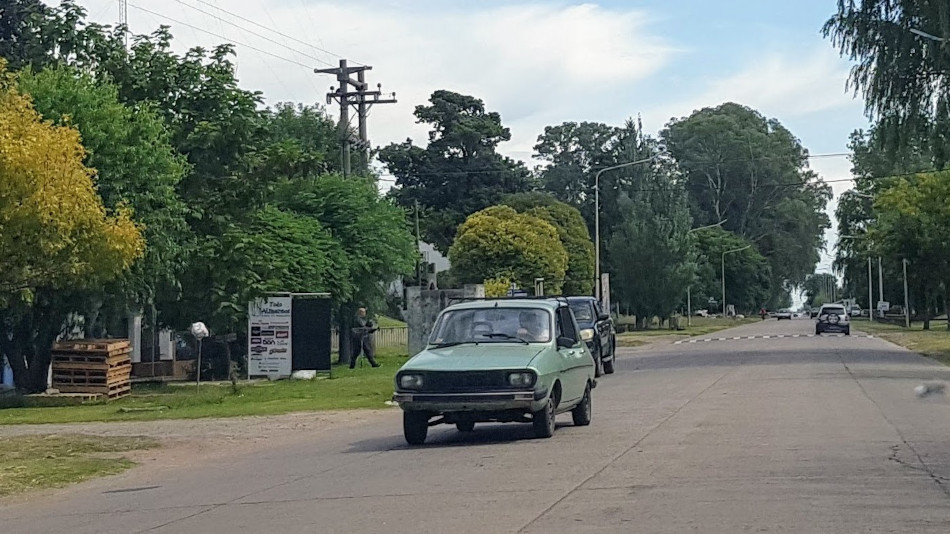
(483, 325)
(582, 312)
(834, 310)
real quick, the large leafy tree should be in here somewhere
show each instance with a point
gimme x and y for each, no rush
(500, 243)
(460, 171)
(579, 277)
(748, 280)
(911, 224)
(135, 167)
(650, 248)
(56, 232)
(904, 75)
(752, 173)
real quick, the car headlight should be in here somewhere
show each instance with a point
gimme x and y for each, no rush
(410, 381)
(587, 334)
(521, 379)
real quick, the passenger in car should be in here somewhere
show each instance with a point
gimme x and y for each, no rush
(532, 328)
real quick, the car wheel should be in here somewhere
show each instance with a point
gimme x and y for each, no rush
(582, 412)
(847, 331)
(415, 426)
(598, 364)
(609, 366)
(817, 332)
(465, 426)
(543, 420)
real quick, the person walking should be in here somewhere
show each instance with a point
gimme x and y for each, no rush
(361, 339)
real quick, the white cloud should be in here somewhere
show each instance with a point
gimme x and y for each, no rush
(534, 62)
(777, 85)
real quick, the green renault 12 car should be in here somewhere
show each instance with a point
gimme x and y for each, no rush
(509, 360)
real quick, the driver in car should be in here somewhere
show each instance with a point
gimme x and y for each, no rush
(532, 327)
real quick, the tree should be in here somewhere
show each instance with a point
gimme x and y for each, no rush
(903, 76)
(911, 223)
(56, 232)
(572, 232)
(747, 272)
(135, 167)
(650, 249)
(460, 171)
(499, 242)
(820, 288)
(751, 172)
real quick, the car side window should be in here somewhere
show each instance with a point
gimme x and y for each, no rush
(566, 323)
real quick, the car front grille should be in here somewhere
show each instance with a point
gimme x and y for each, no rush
(464, 381)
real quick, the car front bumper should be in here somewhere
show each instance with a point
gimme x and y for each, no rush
(531, 400)
(834, 328)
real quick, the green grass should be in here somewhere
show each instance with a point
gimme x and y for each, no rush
(360, 388)
(934, 343)
(700, 326)
(389, 322)
(37, 462)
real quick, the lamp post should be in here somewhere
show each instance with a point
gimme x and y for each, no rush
(689, 288)
(597, 214)
(906, 299)
(724, 275)
(870, 274)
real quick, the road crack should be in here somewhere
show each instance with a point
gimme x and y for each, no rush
(625, 451)
(942, 482)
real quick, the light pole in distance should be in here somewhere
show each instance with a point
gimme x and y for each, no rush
(689, 288)
(597, 213)
(724, 275)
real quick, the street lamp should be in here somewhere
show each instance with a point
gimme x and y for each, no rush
(926, 35)
(724, 275)
(689, 288)
(597, 213)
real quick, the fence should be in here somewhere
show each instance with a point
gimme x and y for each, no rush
(397, 336)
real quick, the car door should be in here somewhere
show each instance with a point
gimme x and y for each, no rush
(576, 360)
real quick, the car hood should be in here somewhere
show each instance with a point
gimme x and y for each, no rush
(470, 357)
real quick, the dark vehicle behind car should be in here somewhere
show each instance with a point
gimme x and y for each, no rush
(597, 330)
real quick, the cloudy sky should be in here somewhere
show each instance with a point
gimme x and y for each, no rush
(538, 62)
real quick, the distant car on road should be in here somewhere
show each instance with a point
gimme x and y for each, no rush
(508, 360)
(833, 318)
(783, 314)
(856, 311)
(597, 329)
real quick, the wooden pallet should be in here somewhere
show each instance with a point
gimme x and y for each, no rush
(92, 345)
(89, 356)
(104, 365)
(113, 392)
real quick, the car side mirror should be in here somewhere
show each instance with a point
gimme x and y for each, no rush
(603, 317)
(565, 342)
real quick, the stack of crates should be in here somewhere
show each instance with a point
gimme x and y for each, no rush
(93, 366)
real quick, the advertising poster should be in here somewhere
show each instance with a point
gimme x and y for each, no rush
(269, 340)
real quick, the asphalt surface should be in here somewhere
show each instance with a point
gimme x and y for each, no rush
(756, 434)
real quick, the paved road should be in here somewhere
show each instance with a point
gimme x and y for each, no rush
(777, 434)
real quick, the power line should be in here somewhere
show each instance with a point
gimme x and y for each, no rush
(282, 34)
(226, 39)
(268, 39)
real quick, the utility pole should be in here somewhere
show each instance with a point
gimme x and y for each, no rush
(880, 281)
(870, 292)
(124, 20)
(353, 93)
(906, 299)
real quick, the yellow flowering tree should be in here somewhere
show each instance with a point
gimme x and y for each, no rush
(499, 242)
(54, 231)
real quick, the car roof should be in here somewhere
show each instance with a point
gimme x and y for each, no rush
(581, 298)
(527, 303)
(823, 306)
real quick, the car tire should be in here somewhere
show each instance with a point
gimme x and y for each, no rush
(465, 426)
(415, 426)
(817, 332)
(543, 419)
(598, 363)
(847, 331)
(609, 366)
(582, 412)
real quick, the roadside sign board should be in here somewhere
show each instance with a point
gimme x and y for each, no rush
(269, 337)
(883, 305)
